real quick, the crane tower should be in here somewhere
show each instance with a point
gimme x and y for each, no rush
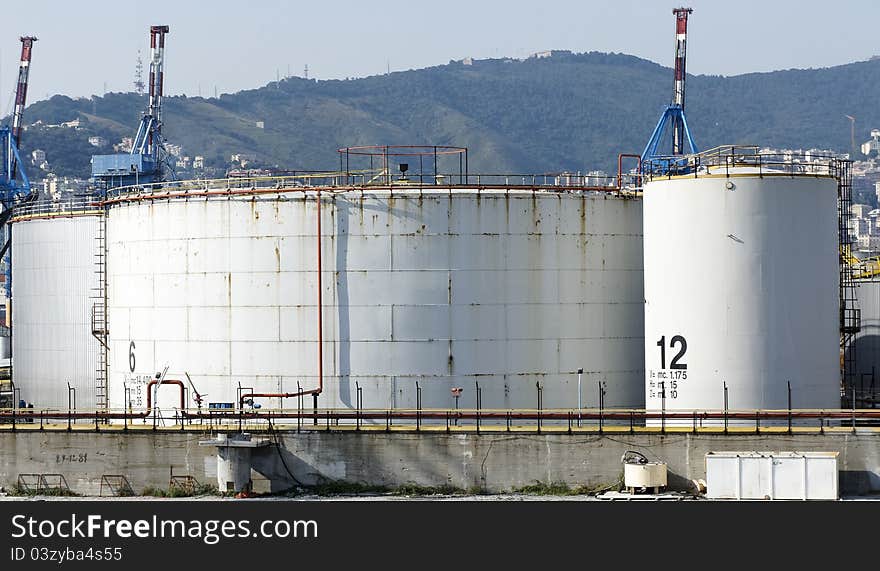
(143, 164)
(674, 116)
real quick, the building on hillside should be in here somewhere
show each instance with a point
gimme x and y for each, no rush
(872, 147)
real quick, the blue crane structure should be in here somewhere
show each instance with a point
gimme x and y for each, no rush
(143, 164)
(652, 158)
(14, 184)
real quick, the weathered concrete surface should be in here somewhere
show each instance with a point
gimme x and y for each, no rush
(495, 462)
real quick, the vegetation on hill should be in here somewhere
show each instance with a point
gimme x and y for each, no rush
(566, 112)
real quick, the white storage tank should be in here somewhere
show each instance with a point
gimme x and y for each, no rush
(865, 348)
(443, 287)
(54, 277)
(741, 287)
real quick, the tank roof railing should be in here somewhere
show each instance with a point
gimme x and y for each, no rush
(81, 206)
(745, 159)
(373, 179)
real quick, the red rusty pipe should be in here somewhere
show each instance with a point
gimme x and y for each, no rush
(276, 395)
(620, 158)
(165, 382)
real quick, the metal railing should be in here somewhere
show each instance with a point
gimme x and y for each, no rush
(735, 159)
(330, 182)
(83, 206)
(530, 420)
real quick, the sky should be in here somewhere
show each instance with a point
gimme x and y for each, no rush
(91, 47)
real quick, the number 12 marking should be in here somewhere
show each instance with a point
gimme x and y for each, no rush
(678, 339)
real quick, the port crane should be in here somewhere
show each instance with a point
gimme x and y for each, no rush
(673, 116)
(14, 184)
(143, 164)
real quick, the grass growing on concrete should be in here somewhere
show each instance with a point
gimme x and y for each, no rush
(344, 488)
(181, 492)
(415, 490)
(56, 492)
(561, 489)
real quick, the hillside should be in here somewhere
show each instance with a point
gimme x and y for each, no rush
(565, 112)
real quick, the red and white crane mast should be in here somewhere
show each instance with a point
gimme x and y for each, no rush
(157, 78)
(27, 43)
(681, 22)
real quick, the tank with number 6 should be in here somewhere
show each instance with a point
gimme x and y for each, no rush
(428, 293)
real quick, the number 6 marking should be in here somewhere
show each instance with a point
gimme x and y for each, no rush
(131, 360)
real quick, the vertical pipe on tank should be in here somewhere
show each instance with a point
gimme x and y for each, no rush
(580, 403)
(320, 306)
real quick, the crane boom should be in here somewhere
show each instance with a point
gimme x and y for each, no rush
(24, 67)
(27, 43)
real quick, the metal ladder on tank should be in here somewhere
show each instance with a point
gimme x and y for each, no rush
(99, 313)
(850, 314)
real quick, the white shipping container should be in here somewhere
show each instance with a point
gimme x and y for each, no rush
(772, 475)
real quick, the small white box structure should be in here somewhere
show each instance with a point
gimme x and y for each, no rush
(772, 475)
(650, 475)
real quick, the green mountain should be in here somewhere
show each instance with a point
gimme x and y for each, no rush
(565, 112)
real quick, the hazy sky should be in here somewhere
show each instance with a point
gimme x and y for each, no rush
(88, 46)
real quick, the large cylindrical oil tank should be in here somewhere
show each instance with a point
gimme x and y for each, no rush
(55, 276)
(741, 288)
(423, 291)
(864, 350)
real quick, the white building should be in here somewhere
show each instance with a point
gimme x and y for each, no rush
(597, 178)
(97, 141)
(199, 162)
(860, 210)
(38, 156)
(241, 158)
(50, 186)
(860, 227)
(124, 145)
(872, 146)
(869, 243)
